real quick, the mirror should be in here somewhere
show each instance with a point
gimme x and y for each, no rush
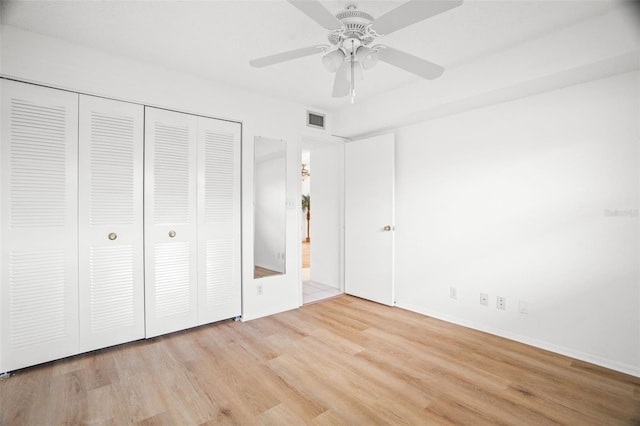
(269, 207)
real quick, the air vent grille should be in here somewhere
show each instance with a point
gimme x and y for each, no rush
(315, 120)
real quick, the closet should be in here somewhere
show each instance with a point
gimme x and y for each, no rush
(192, 220)
(117, 222)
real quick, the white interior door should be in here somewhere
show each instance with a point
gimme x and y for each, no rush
(369, 218)
(38, 225)
(111, 226)
(171, 299)
(218, 170)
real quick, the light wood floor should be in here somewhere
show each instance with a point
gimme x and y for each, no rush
(306, 254)
(341, 361)
(260, 272)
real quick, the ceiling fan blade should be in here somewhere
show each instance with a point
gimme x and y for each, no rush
(314, 10)
(411, 12)
(408, 62)
(286, 56)
(341, 84)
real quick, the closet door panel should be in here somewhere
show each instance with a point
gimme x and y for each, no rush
(38, 225)
(170, 222)
(111, 222)
(219, 281)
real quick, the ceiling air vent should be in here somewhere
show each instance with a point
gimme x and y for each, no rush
(315, 120)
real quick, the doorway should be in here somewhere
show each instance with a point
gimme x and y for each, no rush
(321, 220)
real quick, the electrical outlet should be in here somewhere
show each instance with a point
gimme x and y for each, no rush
(484, 299)
(524, 307)
(259, 289)
(501, 303)
(453, 292)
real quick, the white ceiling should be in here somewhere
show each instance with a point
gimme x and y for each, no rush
(216, 39)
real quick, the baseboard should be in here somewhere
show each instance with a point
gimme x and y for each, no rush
(271, 311)
(572, 353)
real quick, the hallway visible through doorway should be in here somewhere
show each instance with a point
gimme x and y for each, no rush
(313, 292)
(322, 216)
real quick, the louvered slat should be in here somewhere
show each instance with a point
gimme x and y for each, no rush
(219, 176)
(172, 279)
(220, 273)
(112, 169)
(112, 302)
(171, 169)
(36, 298)
(38, 165)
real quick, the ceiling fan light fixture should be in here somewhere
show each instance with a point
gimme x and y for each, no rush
(333, 60)
(367, 57)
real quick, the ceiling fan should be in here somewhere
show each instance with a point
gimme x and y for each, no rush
(351, 33)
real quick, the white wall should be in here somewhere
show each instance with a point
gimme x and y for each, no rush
(514, 200)
(327, 212)
(35, 58)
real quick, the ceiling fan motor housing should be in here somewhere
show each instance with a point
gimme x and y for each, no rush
(357, 25)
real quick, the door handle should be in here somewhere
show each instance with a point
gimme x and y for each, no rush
(387, 228)
(172, 234)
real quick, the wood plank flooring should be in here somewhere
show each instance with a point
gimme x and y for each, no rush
(306, 254)
(341, 361)
(260, 272)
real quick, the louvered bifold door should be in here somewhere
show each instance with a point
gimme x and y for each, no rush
(111, 227)
(38, 225)
(219, 280)
(170, 222)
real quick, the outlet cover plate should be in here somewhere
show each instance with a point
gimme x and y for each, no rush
(524, 307)
(484, 299)
(501, 303)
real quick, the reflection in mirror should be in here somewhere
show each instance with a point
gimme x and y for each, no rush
(269, 207)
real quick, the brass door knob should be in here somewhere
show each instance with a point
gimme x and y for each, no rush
(172, 234)
(387, 228)
(112, 236)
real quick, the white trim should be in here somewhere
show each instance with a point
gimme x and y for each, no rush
(271, 311)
